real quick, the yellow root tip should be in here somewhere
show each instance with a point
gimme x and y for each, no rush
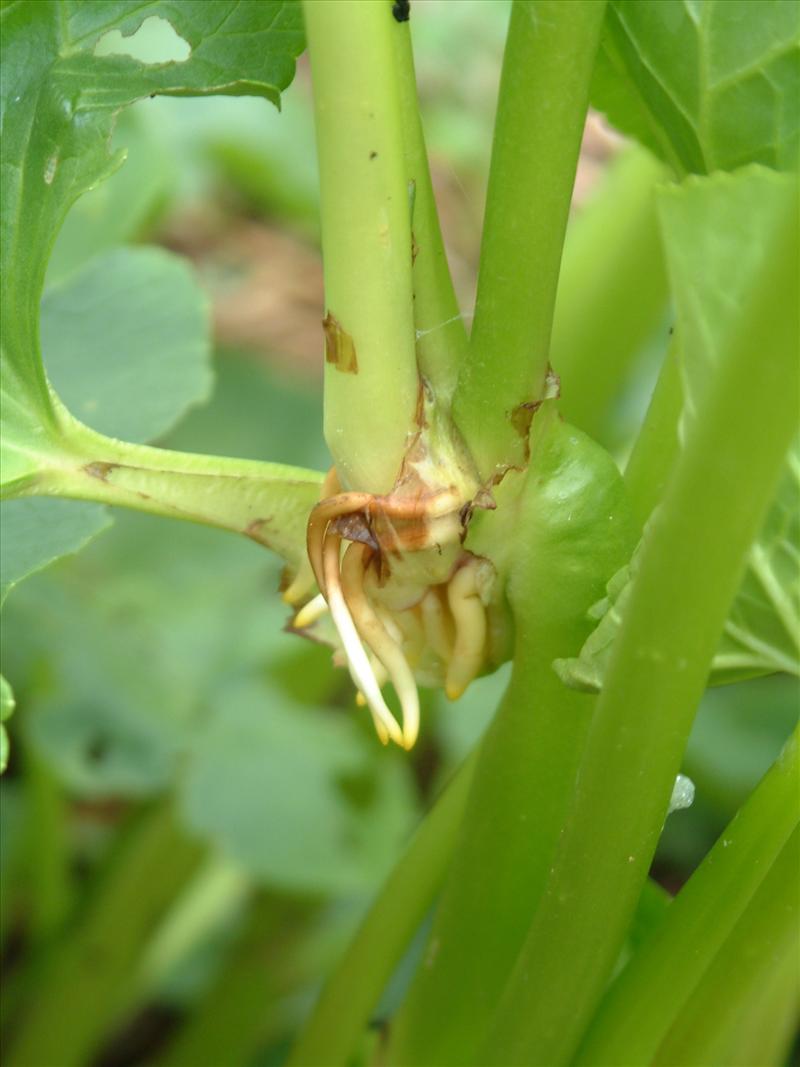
(310, 612)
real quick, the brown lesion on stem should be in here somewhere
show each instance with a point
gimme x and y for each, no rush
(521, 418)
(255, 530)
(522, 415)
(99, 469)
(340, 349)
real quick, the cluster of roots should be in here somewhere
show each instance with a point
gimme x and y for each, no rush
(407, 601)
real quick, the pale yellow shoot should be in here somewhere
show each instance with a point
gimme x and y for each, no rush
(469, 615)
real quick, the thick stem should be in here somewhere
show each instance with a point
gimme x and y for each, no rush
(544, 94)
(656, 446)
(747, 1007)
(571, 509)
(723, 480)
(371, 383)
(700, 927)
(441, 335)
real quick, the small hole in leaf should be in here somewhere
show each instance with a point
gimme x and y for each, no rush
(154, 42)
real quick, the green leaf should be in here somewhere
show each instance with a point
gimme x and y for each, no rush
(35, 532)
(716, 238)
(121, 209)
(707, 84)
(6, 707)
(127, 342)
(762, 631)
(300, 797)
(127, 346)
(716, 233)
(59, 102)
(191, 605)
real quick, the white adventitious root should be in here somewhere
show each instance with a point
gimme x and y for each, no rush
(383, 645)
(357, 660)
(441, 617)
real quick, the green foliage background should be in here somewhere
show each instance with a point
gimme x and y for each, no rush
(183, 770)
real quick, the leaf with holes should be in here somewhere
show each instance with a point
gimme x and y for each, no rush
(59, 102)
(132, 313)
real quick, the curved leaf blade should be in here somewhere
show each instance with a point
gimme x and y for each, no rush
(58, 105)
(716, 234)
(706, 84)
(127, 342)
(36, 532)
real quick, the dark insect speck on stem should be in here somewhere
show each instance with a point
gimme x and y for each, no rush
(401, 9)
(373, 155)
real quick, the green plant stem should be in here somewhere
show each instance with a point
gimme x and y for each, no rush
(571, 508)
(84, 978)
(747, 1007)
(544, 93)
(267, 502)
(533, 749)
(656, 448)
(238, 1013)
(366, 237)
(722, 484)
(354, 989)
(50, 890)
(612, 291)
(716, 916)
(440, 331)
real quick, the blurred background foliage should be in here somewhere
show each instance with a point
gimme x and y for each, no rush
(183, 769)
